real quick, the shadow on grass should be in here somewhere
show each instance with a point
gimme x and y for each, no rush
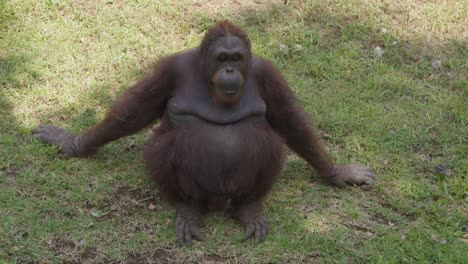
(8, 69)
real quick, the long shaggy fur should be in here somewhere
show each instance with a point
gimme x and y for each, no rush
(206, 162)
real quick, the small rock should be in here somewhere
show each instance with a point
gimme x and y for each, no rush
(298, 47)
(284, 48)
(379, 51)
(436, 64)
(464, 238)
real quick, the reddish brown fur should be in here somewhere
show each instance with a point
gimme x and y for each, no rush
(181, 156)
(284, 113)
(207, 155)
(222, 29)
(173, 156)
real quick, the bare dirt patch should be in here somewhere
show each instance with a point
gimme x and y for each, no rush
(157, 256)
(408, 215)
(71, 251)
(130, 198)
(166, 256)
(213, 7)
(382, 220)
(10, 172)
(359, 227)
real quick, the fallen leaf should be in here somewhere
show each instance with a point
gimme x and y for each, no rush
(306, 209)
(439, 239)
(298, 47)
(151, 206)
(95, 213)
(98, 214)
(464, 238)
(441, 169)
(15, 248)
(139, 180)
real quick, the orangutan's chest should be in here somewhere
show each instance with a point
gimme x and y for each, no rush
(195, 103)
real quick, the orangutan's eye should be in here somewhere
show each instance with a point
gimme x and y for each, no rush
(236, 57)
(222, 57)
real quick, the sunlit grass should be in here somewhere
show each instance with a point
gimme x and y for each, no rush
(403, 112)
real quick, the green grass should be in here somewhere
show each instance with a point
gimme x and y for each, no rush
(65, 62)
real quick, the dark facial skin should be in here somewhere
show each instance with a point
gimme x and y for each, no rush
(227, 62)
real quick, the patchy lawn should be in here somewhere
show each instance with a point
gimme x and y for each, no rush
(384, 81)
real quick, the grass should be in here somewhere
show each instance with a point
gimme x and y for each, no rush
(65, 62)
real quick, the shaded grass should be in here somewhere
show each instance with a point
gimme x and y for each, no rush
(65, 62)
